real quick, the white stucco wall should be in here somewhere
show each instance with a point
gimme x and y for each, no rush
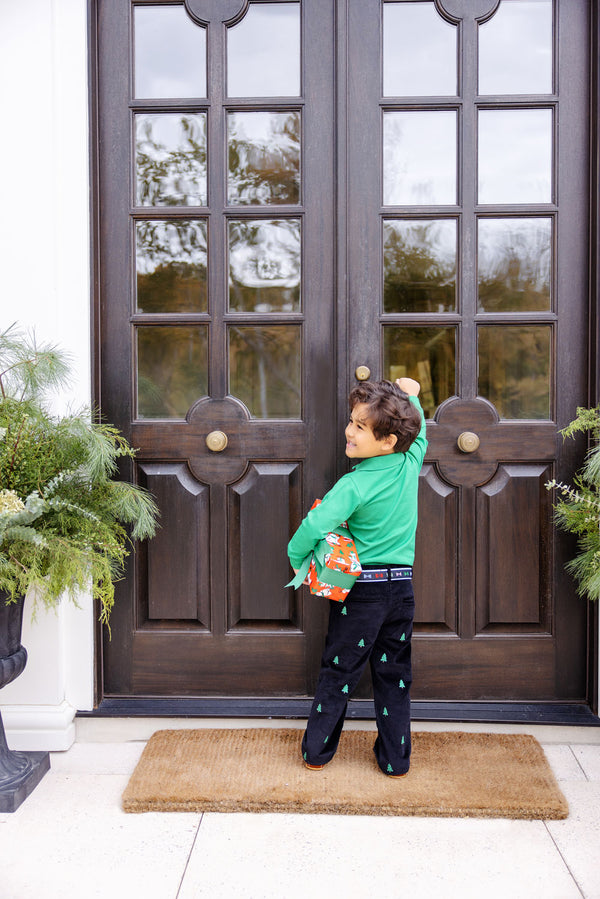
(45, 284)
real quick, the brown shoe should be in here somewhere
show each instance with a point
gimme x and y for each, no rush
(313, 767)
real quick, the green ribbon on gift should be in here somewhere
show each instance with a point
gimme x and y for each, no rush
(331, 576)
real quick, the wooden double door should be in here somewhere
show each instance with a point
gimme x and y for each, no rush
(296, 193)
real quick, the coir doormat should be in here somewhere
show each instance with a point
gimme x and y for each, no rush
(261, 770)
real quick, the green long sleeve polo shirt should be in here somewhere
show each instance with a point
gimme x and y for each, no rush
(378, 499)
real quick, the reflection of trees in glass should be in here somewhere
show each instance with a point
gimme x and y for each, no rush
(514, 264)
(264, 157)
(426, 354)
(264, 265)
(419, 264)
(264, 369)
(172, 369)
(170, 159)
(514, 369)
(171, 266)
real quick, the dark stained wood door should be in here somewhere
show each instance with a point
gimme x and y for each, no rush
(216, 186)
(288, 190)
(467, 160)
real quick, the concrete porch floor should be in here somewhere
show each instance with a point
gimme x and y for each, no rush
(71, 840)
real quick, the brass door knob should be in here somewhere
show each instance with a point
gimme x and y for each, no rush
(468, 442)
(216, 441)
(362, 373)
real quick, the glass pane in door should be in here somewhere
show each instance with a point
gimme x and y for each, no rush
(264, 265)
(170, 53)
(263, 52)
(419, 157)
(419, 265)
(515, 49)
(427, 354)
(419, 51)
(514, 369)
(515, 156)
(514, 264)
(265, 369)
(171, 266)
(172, 369)
(263, 156)
(170, 159)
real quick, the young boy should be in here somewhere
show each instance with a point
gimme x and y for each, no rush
(378, 499)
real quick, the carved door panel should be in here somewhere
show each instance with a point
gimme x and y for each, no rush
(467, 156)
(217, 319)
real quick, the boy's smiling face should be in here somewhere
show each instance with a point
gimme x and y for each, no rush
(361, 442)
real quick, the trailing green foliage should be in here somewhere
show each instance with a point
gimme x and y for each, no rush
(578, 512)
(64, 521)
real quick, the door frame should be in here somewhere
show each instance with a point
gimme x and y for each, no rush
(594, 307)
(580, 713)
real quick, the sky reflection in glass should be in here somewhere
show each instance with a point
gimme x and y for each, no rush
(419, 51)
(515, 49)
(170, 53)
(263, 52)
(515, 156)
(419, 158)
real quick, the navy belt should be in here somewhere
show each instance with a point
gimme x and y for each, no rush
(391, 573)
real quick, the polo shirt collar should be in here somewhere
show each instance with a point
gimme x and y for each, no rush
(379, 463)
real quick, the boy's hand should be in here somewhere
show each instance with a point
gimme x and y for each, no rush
(305, 581)
(408, 386)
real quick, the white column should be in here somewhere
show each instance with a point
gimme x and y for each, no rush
(45, 283)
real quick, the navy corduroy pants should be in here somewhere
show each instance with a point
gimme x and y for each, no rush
(373, 625)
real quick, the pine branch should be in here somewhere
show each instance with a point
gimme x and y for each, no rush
(63, 519)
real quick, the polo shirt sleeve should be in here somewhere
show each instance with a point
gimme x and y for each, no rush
(337, 506)
(418, 447)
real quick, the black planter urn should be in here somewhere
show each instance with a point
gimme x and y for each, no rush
(20, 772)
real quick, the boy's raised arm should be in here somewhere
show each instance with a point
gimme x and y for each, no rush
(419, 446)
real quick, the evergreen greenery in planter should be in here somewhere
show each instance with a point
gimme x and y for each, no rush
(64, 522)
(578, 512)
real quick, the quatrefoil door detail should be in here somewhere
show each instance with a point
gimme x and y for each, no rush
(468, 9)
(213, 11)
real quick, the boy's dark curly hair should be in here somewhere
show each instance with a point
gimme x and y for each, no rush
(389, 411)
